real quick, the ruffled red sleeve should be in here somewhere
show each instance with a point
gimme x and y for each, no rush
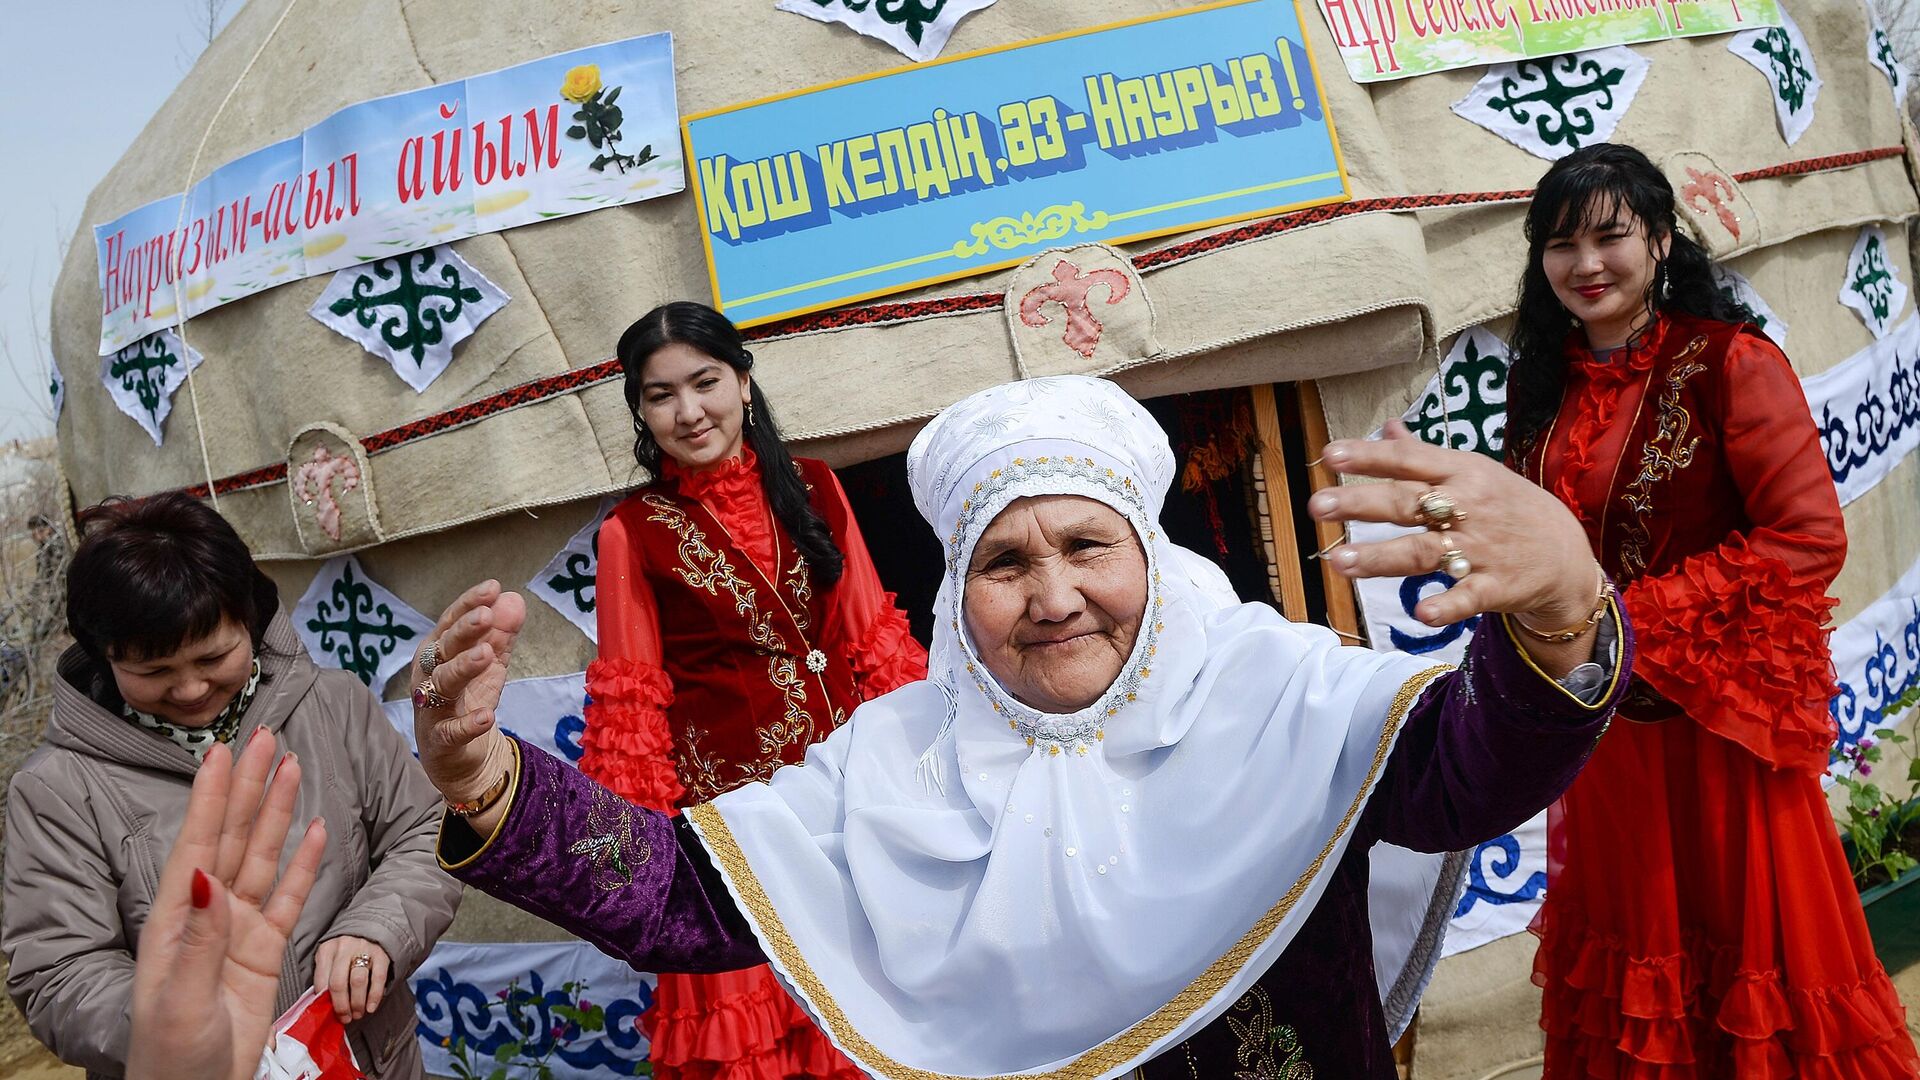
(871, 631)
(627, 744)
(1736, 635)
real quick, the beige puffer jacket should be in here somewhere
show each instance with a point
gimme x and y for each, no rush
(94, 810)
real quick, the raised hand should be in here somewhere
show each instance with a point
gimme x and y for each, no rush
(1527, 553)
(461, 746)
(208, 964)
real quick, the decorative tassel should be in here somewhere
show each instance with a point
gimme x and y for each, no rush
(931, 770)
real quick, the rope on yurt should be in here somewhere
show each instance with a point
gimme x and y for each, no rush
(179, 298)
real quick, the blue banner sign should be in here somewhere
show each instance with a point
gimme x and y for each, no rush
(923, 174)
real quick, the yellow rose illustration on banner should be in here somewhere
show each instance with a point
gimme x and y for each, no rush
(598, 119)
(581, 83)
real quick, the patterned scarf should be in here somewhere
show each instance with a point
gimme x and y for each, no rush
(197, 741)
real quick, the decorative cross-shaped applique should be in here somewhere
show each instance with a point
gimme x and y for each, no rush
(1880, 53)
(1735, 287)
(142, 378)
(567, 582)
(314, 483)
(410, 310)
(1873, 288)
(1552, 106)
(1710, 189)
(918, 28)
(57, 387)
(1069, 289)
(350, 620)
(1782, 55)
(1465, 406)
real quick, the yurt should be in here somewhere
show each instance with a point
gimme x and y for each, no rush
(408, 384)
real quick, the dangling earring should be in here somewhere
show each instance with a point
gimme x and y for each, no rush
(1666, 283)
(749, 413)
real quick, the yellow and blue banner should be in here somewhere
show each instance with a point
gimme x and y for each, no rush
(879, 184)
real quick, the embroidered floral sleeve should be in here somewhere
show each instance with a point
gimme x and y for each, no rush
(874, 636)
(627, 744)
(1735, 636)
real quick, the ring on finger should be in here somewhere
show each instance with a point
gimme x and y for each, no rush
(1437, 510)
(364, 960)
(430, 657)
(427, 696)
(1453, 563)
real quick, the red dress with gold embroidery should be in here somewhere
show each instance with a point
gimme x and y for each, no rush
(720, 662)
(1700, 919)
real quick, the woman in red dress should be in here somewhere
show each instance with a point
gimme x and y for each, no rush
(1700, 919)
(740, 621)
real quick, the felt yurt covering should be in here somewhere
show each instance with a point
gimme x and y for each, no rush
(1364, 301)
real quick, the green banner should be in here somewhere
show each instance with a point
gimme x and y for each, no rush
(1395, 39)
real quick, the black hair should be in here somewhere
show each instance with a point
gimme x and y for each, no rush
(150, 575)
(1587, 188)
(700, 327)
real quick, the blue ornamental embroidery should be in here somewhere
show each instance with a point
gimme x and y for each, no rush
(1501, 857)
(447, 1010)
(1886, 685)
(1879, 421)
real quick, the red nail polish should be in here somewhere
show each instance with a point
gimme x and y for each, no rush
(202, 890)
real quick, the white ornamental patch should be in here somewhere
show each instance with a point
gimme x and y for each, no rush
(918, 28)
(1735, 287)
(1873, 288)
(57, 386)
(1781, 54)
(567, 581)
(1881, 55)
(142, 377)
(410, 310)
(1553, 105)
(348, 620)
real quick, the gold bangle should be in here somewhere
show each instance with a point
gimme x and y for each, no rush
(1569, 633)
(487, 798)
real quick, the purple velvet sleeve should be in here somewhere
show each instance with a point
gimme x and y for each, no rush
(1490, 745)
(616, 874)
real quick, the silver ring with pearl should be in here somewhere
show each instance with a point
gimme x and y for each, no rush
(1453, 563)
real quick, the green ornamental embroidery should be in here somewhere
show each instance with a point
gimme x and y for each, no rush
(1883, 57)
(1479, 424)
(351, 614)
(419, 308)
(576, 580)
(1267, 1051)
(1791, 75)
(914, 15)
(142, 367)
(1549, 94)
(1873, 279)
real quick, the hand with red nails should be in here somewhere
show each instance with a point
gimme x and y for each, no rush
(211, 952)
(461, 746)
(1528, 555)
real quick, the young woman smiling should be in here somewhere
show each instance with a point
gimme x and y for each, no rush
(1700, 920)
(740, 622)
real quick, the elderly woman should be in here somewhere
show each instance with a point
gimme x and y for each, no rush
(180, 647)
(1118, 810)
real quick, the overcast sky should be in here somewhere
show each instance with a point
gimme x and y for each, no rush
(78, 80)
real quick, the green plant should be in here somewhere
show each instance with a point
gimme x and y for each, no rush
(1882, 830)
(543, 1024)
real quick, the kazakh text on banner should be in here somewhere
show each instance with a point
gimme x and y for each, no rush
(978, 162)
(563, 135)
(1395, 39)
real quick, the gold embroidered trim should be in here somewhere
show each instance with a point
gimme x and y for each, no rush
(1667, 452)
(1123, 1047)
(708, 569)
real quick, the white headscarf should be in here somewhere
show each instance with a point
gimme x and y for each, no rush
(1096, 885)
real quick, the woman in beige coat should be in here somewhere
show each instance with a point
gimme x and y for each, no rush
(181, 645)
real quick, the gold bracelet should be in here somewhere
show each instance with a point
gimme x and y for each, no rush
(1569, 633)
(487, 798)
